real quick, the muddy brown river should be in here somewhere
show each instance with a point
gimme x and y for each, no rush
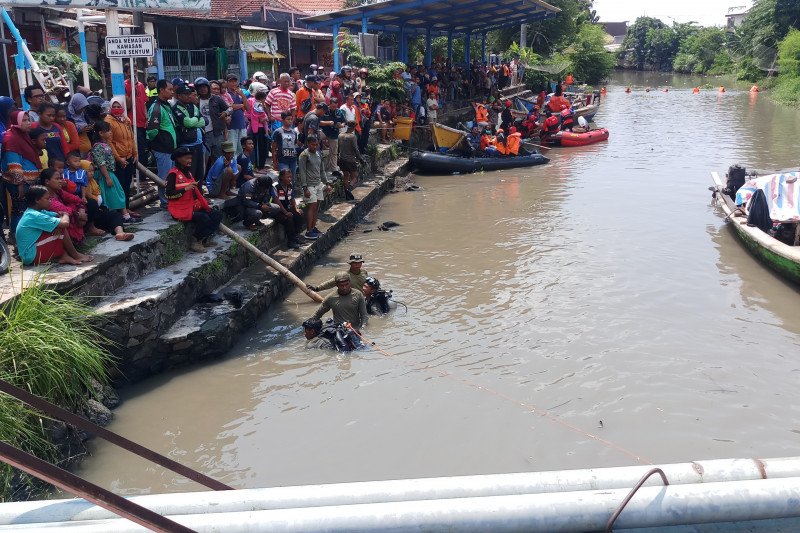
(591, 312)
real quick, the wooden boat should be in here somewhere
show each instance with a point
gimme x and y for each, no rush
(433, 163)
(445, 136)
(569, 139)
(780, 257)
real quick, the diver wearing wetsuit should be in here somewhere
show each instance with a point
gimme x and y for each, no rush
(377, 299)
(330, 336)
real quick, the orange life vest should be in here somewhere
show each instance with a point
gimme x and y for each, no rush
(513, 143)
(190, 201)
(500, 146)
(570, 80)
(486, 142)
(481, 114)
(551, 124)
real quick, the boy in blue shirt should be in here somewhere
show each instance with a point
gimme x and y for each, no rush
(42, 234)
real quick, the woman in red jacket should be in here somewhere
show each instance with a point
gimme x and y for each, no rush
(185, 201)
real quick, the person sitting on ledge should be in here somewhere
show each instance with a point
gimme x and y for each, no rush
(42, 235)
(187, 203)
(357, 275)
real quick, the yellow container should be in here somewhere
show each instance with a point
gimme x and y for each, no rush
(402, 128)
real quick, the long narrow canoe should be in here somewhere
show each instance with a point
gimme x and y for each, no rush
(780, 257)
(445, 136)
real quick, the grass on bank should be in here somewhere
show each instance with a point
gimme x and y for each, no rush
(50, 347)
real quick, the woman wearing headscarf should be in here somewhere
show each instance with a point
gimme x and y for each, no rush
(20, 164)
(75, 112)
(6, 105)
(124, 149)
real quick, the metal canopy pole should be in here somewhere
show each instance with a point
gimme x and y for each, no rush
(450, 46)
(335, 48)
(117, 77)
(428, 48)
(483, 47)
(467, 42)
(364, 23)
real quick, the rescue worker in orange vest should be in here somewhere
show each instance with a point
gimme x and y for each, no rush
(500, 142)
(567, 119)
(481, 115)
(488, 144)
(513, 142)
(569, 80)
(549, 128)
(185, 201)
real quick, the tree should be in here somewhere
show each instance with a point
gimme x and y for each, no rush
(637, 43)
(789, 54)
(699, 52)
(590, 61)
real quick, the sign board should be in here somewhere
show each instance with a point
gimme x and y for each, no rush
(130, 46)
(258, 41)
(124, 5)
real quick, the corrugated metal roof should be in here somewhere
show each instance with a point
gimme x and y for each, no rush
(440, 16)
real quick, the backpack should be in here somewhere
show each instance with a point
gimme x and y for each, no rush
(305, 105)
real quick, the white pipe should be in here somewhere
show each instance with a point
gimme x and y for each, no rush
(717, 470)
(552, 513)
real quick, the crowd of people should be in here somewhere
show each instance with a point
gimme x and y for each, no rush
(221, 135)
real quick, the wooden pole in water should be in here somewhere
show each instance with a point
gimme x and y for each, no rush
(270, 261)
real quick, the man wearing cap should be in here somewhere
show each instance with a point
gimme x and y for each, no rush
(187, 203)
(190, 125)
(236, 100)
(281, 98)
(304, 98)
(222, 174)
(348, 305)
(357, 275)
(313, 122)
(161, 133)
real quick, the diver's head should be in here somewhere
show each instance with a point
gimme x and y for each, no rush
(312, 327)
(371, 285)
(342, 280)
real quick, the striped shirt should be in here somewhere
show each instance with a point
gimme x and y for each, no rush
(279, 101)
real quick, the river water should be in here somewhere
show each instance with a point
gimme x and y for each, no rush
(591, 312)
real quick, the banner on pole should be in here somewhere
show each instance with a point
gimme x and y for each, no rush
(130, 46)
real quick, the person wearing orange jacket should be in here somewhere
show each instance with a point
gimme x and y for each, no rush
(513, 142)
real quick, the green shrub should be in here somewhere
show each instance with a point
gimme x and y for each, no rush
(50, 348)
(787, 90)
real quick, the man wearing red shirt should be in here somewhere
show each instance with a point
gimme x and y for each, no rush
(281, 98)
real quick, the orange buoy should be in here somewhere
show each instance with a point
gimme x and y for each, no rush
(696, 90)
(754, 89)
(603, 90)
(721, 89)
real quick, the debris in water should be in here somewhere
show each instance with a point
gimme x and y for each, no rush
(600, 425)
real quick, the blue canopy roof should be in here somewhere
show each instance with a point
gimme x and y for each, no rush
(439, 16)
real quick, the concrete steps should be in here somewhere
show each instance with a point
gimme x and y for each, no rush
(116, 263)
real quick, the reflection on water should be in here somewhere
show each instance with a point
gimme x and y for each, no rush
(541, 301)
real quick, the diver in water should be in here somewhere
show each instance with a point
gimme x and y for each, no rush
(378, 300)
(330, 336)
